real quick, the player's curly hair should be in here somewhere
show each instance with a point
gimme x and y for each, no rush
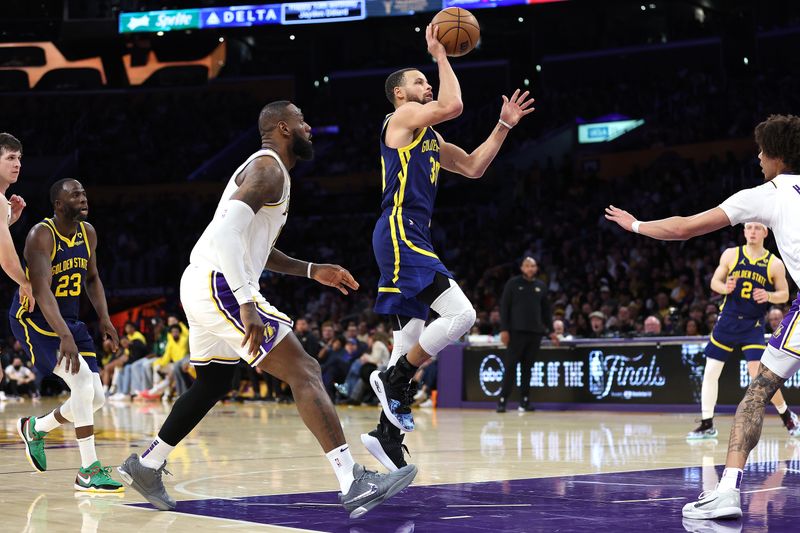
(779, 137)
(395, 79)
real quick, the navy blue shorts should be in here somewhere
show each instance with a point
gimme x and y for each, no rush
(728, 333)
(41, 344)
(407, 264)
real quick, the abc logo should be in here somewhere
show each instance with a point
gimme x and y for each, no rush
(490, 375)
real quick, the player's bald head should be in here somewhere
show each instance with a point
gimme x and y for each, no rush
(273, 113)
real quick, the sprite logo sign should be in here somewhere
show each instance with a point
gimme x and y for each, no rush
(154, 21)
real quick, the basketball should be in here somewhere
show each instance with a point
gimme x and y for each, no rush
(459, 31)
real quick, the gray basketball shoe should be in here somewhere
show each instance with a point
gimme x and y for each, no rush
(715, 504)
(147, 481)
(370, 489)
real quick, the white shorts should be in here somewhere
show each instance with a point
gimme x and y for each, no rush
(782, 355)
(215, 327)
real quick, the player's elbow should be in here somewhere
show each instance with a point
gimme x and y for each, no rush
(476, 173)
(453, 109)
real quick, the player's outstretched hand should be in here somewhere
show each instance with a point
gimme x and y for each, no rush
(109, 332)
(334, 276)
(17, 205)
(621, 217)
(435, 47)
(68, 352)
(516, 107)
(253, 328)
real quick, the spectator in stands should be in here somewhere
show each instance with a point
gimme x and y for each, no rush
(652, 326)
(307, 339)
(352, 333)
(326, 341)
(356, 385)
(559, 332)
(597, 322)
(774, 319)
(692, 328)
(335, 362)
(21, 379)
(177, 349)
(621, 324)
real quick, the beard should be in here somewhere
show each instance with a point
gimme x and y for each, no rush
(76, 215)
(302, 147)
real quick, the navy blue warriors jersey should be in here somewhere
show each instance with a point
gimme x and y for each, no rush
(741, 319)
(402, 238)
(70, 262)
(751, 273)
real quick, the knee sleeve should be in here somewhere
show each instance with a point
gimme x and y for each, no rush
(709, 391)
(82, 391)
(405, 338)
(456, 316)
(99, 399)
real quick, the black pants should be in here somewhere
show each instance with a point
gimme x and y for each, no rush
(522, 348)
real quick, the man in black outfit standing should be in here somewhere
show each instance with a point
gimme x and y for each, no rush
(524, 315)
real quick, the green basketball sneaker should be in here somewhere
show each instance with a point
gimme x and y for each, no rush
(34, 442)
(96, 478)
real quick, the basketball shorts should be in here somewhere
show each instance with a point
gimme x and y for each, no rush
(407, 265)
(42, 344)
(782, 355)
(215, 325)
(728, 333)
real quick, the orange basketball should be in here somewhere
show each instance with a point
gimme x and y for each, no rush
(459, 31)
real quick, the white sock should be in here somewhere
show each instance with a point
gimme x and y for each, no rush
(397, 349)
(48, 422)
(781, 409)
(405, 339)
(88, 454)
(710, 388)
(731, 479)
(342, 463)
(156, 454)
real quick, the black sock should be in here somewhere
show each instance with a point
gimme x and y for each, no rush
(706, 423)
(402, 372)
(786, 416)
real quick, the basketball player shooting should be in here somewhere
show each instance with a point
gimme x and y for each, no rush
(775, 204)
(413, 279)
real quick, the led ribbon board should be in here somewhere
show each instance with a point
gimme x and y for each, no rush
(605, 131)
(293, 13)
(242, 16)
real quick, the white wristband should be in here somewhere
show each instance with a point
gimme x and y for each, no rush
(635, 226)
(308, 272)
(504, 123)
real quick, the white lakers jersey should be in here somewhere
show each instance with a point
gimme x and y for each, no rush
(776, 204)
(260, 236)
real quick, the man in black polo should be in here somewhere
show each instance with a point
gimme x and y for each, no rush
(524, 313)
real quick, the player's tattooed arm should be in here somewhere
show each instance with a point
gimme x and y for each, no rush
(261, 182)
(746, 430)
